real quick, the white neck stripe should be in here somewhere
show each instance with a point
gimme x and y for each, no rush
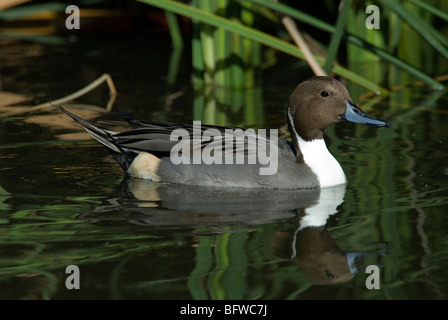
(321, 161)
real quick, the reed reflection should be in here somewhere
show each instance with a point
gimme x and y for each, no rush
(307, 244)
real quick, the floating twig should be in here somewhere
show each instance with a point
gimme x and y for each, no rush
(104, 78)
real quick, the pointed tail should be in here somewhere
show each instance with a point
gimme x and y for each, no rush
(123, 156)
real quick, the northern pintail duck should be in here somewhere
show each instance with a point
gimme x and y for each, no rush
(207, 155)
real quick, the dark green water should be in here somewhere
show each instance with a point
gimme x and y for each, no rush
(64, 201)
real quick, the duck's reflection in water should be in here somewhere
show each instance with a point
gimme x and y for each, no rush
(309, 245)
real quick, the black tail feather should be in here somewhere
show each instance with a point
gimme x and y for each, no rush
(123, 156)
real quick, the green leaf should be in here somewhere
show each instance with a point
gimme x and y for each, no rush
(255, 35)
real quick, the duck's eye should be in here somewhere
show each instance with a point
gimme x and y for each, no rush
(324, 94)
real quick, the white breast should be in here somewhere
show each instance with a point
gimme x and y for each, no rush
(321, 161)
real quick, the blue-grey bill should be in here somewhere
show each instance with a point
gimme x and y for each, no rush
(356, 115)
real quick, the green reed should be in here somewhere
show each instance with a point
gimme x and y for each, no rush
(228, 30)
(362, 42)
